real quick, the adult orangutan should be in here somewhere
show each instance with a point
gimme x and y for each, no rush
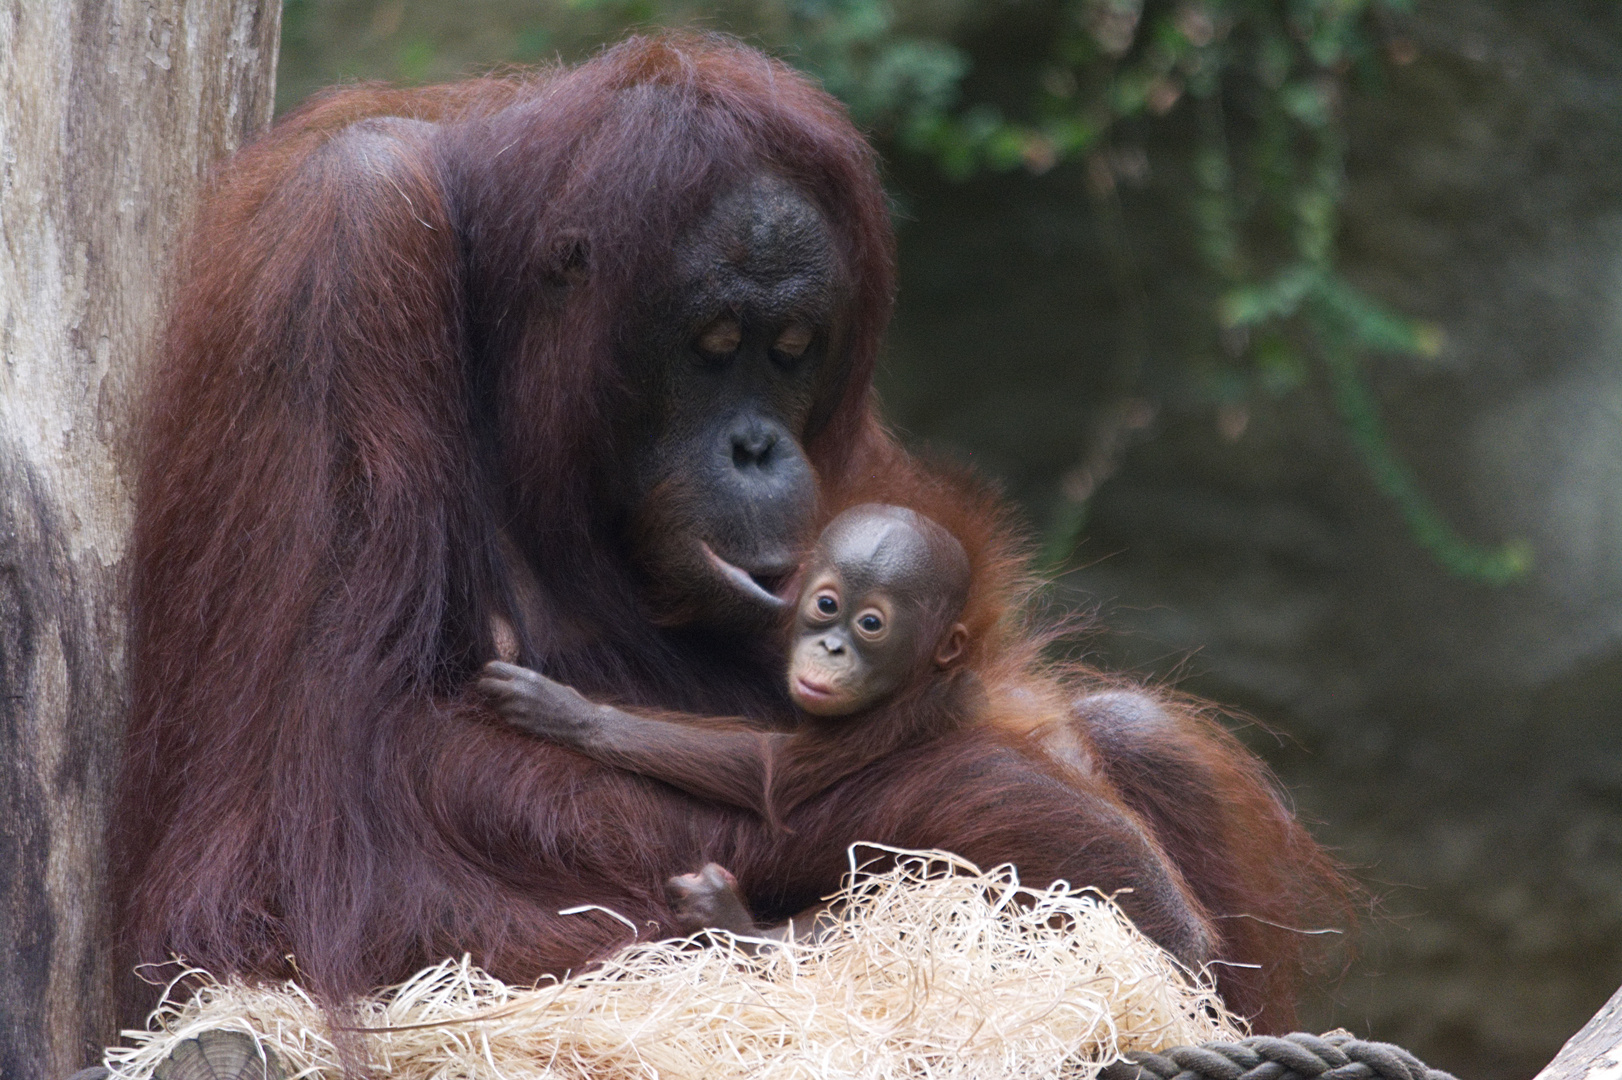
(557, 366)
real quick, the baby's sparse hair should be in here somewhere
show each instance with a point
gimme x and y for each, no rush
(945, 590)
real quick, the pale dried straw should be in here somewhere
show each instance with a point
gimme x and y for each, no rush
(935, 969)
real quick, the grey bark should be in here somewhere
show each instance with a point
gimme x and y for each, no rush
(112, 112)
(1595, 1052)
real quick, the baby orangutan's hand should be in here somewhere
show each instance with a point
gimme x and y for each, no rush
(709, 900)
(533, 703)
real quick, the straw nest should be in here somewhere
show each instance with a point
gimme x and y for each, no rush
(935, 969)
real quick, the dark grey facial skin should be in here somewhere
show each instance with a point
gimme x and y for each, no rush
(881, 595)
(733, 364)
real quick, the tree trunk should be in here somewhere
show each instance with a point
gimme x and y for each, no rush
(111, 114)
(1595, 1052)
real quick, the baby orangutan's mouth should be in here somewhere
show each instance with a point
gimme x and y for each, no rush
(819, 696)
(761, 586)
(812, 689)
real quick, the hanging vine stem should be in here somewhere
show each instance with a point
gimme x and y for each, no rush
(1359, 411)
(1342, 324)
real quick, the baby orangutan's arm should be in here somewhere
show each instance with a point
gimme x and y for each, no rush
(723, 763)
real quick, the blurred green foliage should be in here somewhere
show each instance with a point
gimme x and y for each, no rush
(1267, 80)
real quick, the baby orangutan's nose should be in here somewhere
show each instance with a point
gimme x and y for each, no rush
(833, 646)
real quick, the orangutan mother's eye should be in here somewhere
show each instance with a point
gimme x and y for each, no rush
(793, 341)
(721, 337)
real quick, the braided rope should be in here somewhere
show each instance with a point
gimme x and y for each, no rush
(1298, 1056)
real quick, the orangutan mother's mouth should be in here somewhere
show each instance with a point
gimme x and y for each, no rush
(761, 587)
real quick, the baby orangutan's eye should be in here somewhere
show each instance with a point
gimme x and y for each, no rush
(870, 624)
(827, 605)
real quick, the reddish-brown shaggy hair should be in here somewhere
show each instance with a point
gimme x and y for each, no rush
(382, 425)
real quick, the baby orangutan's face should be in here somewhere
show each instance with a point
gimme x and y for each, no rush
(864, 625)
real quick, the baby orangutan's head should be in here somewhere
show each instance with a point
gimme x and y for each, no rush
(883, 590)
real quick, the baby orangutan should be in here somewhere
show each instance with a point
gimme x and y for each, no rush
(874, 643)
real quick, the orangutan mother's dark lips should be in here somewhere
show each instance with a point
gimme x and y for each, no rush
(756, 588)
(773, 581)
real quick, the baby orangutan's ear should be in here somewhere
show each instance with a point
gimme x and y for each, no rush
(951, 646)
